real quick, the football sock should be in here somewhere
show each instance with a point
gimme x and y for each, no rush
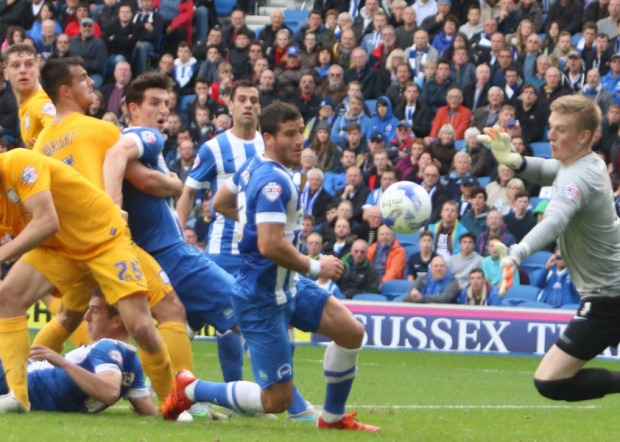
(299, 404)
(14, 350)
(339, 365)
(242, 396)
(230, 353)
(588, 383)
(175, 336)
(158, 368)
(53, 335)
(79, 336)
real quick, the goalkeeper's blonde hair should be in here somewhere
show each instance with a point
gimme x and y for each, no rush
(586, 112)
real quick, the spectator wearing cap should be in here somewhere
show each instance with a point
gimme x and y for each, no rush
(513, 128)
(314, 24)
(92, 50)
(453, 113)
(306, 100)
(461, 170)
(355, 114)
(433, 24)
(463, 201)
(487, 116)
(363, 73)
(325, 114)
(531, 116)
(593, 90)
(83, 11)
(435, 91)
(384, 121)
(289, 72)
(404, 139)
(610, 80)
(414, 111)
(333, 86)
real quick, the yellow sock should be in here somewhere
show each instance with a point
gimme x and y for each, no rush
(14, 348)
(52, 335)
(80, 336)
(179, 346)
(159, 370)
(54, 306)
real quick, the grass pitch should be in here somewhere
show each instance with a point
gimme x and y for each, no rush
(412, 396)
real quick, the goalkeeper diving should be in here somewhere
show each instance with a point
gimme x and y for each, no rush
(582, 217)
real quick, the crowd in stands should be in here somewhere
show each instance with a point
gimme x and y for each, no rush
(388, 90)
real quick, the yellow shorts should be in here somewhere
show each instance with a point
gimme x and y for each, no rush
(156, 279)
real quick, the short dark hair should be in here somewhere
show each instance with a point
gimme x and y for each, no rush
(275, 114)
(148, 80)
(426, 233)
(522, 194)
(470, 235)
(528, 86)
(239, 84)
(309, 217)
(202, 80)
(354, 127)
(56, 73)
(477, 270)
(476, 190)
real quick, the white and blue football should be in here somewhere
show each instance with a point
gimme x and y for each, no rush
(405, 207)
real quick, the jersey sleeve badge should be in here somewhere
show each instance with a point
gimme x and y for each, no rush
(272, 191)
(49, 108)
(29, 175)
(571, 191)
(148, 137)
(115, 355)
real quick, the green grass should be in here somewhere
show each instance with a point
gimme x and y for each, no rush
(417, 396)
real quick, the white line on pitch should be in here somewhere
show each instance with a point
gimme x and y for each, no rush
(468, 407)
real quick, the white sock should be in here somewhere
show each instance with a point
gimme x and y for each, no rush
(245, 396)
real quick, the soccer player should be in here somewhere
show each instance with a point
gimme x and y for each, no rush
(36, 110)
(93, 377)
(581, 215)
(264, 199)
(82, 143)
(65, 228)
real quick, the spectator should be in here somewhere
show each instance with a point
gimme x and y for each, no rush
(474, 220)
(498, 72)
(314, 198)
(385, 122)
(491, 263)
(68, 14)
(495, 228)
(324, 148)
(105, 16)
(405, 32)
(443, 38)
(442, 149)
(366, 160)
(463, 73)
(412, 110)
(360, 275)
(609, 139)
(433, 24)
(268, 93)
(479, 291)
(177, 16)
(336, 180)
(239, 55)
(403, 141)
(113, 93)
(553, 88)
(8, 113)
(237, 23)
(475, 95)
(355, 114)
(83, 11)
(333, 87)
(314, 246)
(306, 100)
(362, 23)
(308, 161)
(388, 177)
(568, 13)
(447, 232)
(225, 73)
(314, 24)
(435, 91)
(325, 115)
(185, 162)
(593, 90)
(461, 182)
(596, 11)
(487, 116)
(201, 128)
(526, 61)
(473, 24)
(289, 71)
(46, 12)
(395, 92)
(343, 50)
(574, 71)
(354, 191)
(521, 220)
(558, 288)
(185, 69)
(506, 204)
(368, 229)
(454, 114)
(463, 263)
(191, 238)
(97, 108)
(600, 57)
(15, 13)
(373, 39)
(92, 50)
(267, 36)
(417, 263)
(482, 44)
(420, 53)
(437, 286)
(531, 117)
(47, 43)
(362, 72)
(483, 162)
(260, 65)
(438, 192)
(609, 24)
(387, 255)
(497, 188)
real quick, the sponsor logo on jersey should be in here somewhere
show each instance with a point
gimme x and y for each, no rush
(148, 137)
(164, 277)
(272, 191)
(571, 191)
(128, 378)
(116, 356)
(12, 196)
(27, 121)
(29, 175)
(49, 109)
(285, 370)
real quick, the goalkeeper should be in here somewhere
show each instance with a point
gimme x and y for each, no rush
(582, 217)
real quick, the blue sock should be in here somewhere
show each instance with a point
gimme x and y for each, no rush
(230, 352)
(299, 404)
(339, 366)
(241, 396)
(337, 394)
(214, 392)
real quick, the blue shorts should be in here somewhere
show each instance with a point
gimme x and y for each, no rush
(265, 329)
(230, 263)
(202, 286)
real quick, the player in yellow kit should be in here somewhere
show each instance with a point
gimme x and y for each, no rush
(82, 142)
(21, 69)
(35, 111)
(54, 212)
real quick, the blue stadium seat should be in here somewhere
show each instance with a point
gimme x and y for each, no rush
(576, 38)
(224, 7)
(535, 200)
(534, 265)
(295, 18)
(410, 249)
(523, 292)
(483, 180)
(258, 30)
(459, 144)
(541, 149)
(372, 104)
(521, 303)
(184, 99)
(369, 297)
(395, 288)
(398, 299)
(570, 307)
(539, 258)
(408, 238)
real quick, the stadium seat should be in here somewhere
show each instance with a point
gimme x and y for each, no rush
(459, 144)
(539, 258)
(521, 303)
(369, 297)
(258, 30)
(184, 99)
(372, 104)
(398, 299)
(576, 39)
(393, 289)
(408, 238)
(535, 200)
(523, 292)
(410, 249)
(534, 265)
(570, 307)
(295, 18)
(546, 133)
(224, 7)
(483, 180)
(541, 149)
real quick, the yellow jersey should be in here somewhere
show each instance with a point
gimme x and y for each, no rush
(90, 223)
(80, 142)
(34, 114)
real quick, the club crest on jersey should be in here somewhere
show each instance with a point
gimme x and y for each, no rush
(29, 175)
(116, 356)
(49, 109)
(12, 196)
(196, 162)
(571, 191)
(272, 191)
(148, 137)
(27, 121)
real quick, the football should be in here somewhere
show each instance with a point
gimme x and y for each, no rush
(405, 207)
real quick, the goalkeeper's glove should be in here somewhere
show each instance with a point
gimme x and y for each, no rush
(510, 261)
(501, 147)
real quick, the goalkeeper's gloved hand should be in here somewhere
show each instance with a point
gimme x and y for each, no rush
(510, 261)
(501, 147)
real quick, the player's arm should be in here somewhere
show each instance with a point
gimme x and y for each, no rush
(44, 223)
(104, 386)
(143, 405)
(185, 204)
(117, 157)
(225, 201)
(153, 182)
(273, 245)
